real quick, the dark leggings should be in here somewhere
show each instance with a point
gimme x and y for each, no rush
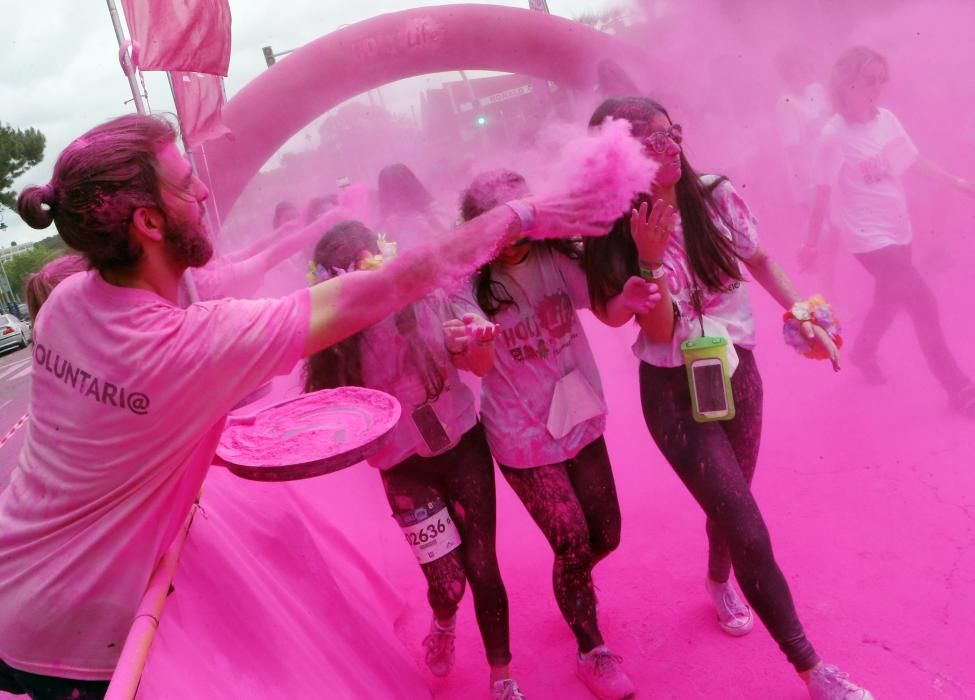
(899, 285)
(574, 504)
(464, 478)
(38, 687)
(716, 462)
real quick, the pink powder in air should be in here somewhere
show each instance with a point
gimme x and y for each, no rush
(606, 163)
(312, 427)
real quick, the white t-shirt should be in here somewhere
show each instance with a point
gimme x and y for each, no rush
(862, 163)
(404, 355)
(725, 314)
(541, 341)
(128, 400)
(800, 120)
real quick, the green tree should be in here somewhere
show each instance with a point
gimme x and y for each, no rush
(20, 150)
(30, 261)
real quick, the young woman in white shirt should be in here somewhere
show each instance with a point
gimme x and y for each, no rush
(689, 236)
(864, 152)
(542, 407)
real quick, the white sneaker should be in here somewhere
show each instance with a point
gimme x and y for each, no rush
(440, 647)
(506, 689)
(827, 683)
(600, 670)
(734, 615)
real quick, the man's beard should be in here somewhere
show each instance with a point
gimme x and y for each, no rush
(187, 243)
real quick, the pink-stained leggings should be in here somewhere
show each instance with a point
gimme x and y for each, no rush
(38, 687)
(575, 506)
(463, 477)
(716, 462)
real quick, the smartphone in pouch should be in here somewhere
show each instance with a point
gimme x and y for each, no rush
(708, 385)
(431, 429)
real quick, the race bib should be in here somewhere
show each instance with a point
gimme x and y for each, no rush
(432, 537)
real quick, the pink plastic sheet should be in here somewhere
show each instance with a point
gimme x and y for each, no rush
(271, 600)
(181, 35)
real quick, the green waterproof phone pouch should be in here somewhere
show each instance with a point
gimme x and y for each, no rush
(706, 359)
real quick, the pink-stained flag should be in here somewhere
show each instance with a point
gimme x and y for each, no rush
(199, 100)
(181, 35)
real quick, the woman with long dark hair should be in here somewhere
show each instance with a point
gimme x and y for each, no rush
(436, 470)
(864, 152)
(690, 234)
(544, 390)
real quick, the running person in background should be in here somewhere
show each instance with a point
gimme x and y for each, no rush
(130, 392)
(865, 151)
(437, 468)
(544, 389)
(691, 243)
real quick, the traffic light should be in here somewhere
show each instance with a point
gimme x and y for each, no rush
(481, 120)
(269, 56)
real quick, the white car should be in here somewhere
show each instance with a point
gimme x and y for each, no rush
(14, 333)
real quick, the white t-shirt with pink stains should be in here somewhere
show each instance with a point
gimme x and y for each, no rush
(726, 314)
(541, 341)
(128, 399)
(863, 164)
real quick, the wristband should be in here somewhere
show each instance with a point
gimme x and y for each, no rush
(652, 273)
(525, 212)
(815, 310)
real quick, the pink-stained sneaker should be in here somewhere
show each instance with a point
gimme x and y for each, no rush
(440, 647)
(506, 689)
(600, 670)
(827, 683)
(734, 615)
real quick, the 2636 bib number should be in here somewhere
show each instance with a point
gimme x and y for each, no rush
(433, 537)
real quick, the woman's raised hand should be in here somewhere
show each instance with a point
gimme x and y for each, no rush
(651, 229)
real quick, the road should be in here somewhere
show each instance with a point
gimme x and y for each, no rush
(15, 378)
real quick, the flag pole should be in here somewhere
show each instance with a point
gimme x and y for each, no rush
(140, 106)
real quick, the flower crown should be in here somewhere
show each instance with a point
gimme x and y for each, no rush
(387, 251)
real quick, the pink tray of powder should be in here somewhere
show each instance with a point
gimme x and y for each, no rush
(311, 435)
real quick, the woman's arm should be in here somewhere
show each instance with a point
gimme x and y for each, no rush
(807, 254)
(933, 170)
(651, 230)
(776, 282)
(773, 278)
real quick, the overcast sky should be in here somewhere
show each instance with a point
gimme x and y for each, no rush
(60, 70)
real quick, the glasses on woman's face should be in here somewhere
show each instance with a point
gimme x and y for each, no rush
(872, 79)
(657, 141)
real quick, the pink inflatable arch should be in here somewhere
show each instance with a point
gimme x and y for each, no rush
(324, 73)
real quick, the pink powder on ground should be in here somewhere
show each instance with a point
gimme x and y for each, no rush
(309, 428)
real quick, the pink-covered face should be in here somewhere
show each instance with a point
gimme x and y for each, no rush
(662, 142)
(863, 94)
(183, 192)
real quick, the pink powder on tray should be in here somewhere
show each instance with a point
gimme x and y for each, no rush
(312, 427)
